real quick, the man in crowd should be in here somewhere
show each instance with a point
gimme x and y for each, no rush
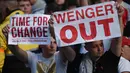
(96, 61)
(11, 9)
(25, 6)
(45, 61)
(12, 64)
(124, 64)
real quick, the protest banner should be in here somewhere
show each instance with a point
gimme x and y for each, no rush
(86, 24)
(29, 29)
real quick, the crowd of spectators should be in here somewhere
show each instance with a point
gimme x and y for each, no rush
(35, 58)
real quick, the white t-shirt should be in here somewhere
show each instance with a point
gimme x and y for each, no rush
(61, 67)
(124, 65)
(36, 60)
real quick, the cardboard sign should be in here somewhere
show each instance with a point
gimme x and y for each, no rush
(29, 29)
(85, 24)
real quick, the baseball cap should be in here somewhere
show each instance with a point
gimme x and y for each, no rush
(125, 41)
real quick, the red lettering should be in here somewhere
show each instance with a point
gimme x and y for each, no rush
(70, 16)
(80, 15)
(17, 24)
(108, 8)
(32, 31)
(45, 20)
(63, 34)
(83, 31)
(26, 32)
(91, 15)
(60, 18)
(13, 21)
(13, 30)
(105, 23)
(20, 32)
(21, 21)
(34, 20)
(99, 9)
(27, 20)
(39, 32)
(45, 29)
(39, 21)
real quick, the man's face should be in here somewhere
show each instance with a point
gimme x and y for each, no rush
(95, 48)
(25, 6)
(126, 51)
(50, 49)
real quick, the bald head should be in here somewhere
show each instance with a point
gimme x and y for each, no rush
(95, 48)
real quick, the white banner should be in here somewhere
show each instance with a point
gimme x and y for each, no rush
(85, 24)
(29, 29)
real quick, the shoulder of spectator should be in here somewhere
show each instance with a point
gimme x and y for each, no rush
(7, 19)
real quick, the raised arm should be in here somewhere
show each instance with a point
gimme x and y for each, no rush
(67, 53)
(117, 42)
(19, 53)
